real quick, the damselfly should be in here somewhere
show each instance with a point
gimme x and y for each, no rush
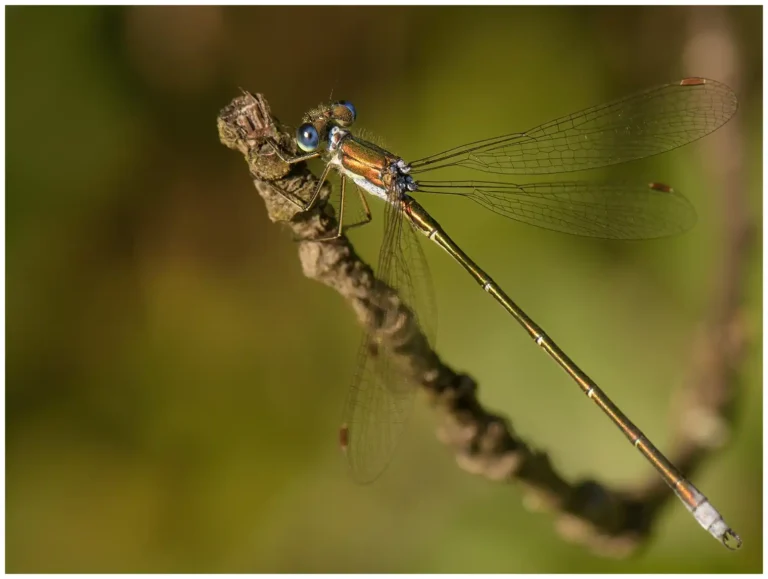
(645, 124)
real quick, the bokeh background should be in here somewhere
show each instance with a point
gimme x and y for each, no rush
(174, 385)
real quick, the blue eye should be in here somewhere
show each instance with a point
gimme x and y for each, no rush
(351, 109)
(307, 137)
(343, 113)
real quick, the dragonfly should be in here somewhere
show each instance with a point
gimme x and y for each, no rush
(644, 124)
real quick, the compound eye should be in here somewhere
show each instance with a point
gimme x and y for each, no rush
(350, 107)
(307, 138)
(344, 113)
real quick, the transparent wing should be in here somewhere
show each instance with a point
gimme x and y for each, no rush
(611, 211)
(644, 124)
(380, 398)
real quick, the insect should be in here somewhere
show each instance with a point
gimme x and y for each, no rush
(647, 123)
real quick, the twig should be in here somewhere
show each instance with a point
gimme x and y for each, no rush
(610, 522)
(705, 403)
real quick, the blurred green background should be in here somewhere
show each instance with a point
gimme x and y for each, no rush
(174, 385)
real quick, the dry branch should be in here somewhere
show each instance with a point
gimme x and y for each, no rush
(611, 522)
